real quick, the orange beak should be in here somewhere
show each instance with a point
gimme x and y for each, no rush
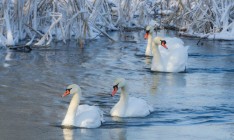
(164, 45)
(67, 92)
(115, 89)
(146, 35)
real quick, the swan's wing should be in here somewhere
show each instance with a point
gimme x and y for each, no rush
(138, 107)
(88, 116)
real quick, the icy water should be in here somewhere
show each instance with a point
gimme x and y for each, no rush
(197, 104)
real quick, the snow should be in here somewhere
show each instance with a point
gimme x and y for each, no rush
(222, 36)
(88, 19)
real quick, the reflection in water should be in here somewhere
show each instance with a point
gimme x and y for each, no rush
(85, 134)
(8, 55)
(175, 80)
(7, 58)
(93, 134)
(162, 81)
(155, 85)
(6, 65)
(68, 134)
(148, 61)
(118, 134)
(78, 133)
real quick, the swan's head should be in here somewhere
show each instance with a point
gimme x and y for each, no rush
(160, 41)
(71, 89)
(148, 30)
(119, 83)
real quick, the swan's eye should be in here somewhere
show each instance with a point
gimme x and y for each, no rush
(163, 42)
(69, 89)
(115, 86)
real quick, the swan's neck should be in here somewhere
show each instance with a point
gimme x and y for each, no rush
(123, 102)
(156, 53)
(149, 43)
(71, 112)
(124, 95)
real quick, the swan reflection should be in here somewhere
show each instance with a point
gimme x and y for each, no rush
(161, 82)
(68, 134)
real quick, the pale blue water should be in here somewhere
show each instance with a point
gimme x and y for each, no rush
(197, 104)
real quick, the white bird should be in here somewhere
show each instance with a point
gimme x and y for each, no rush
(172, 58)
(81, 115)
(149, 37)
(128, 106)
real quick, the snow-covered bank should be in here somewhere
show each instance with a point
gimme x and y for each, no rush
(217, 36)
(41, 21)
(198, 18)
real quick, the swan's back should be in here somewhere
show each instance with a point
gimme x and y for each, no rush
(137, 108)
(88, 116)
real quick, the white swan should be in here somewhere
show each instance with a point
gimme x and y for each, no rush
(81, 115)
(149, 37)
(172, 58)
(128, 106)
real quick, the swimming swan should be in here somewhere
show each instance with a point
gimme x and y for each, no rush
(81, 115)
(128, 106)
(168, 58)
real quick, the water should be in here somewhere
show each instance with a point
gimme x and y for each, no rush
(197, 104)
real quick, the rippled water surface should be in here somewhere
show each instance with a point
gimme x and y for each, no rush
(196, 104)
